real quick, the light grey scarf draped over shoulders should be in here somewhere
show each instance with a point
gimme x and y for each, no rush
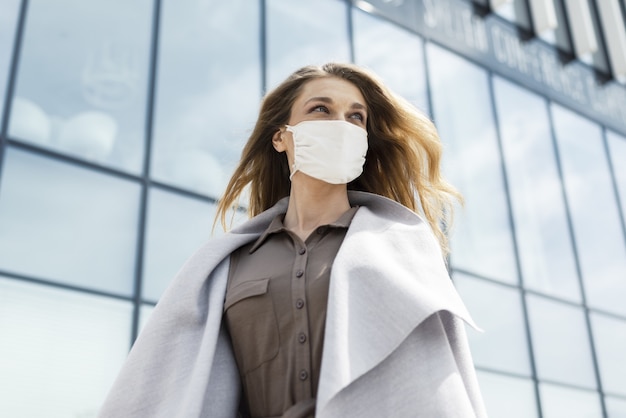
(394, 341)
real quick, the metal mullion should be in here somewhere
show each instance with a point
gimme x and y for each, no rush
(149, 302)
(579, 274)
(182, 192)
(145, 183)
(529, 339)
(17, 45)
(616, 395)
(526, 290)
(56, 155)
(485, 278)
(429, 102)
(552, 298)
(503, 373)
(618, 200)
(569, 386)
(350, 28)
(263, 44)
(63, 286)
(608, 313)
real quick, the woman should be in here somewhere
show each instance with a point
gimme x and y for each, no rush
(333, 300)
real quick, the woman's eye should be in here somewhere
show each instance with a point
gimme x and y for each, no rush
(320, 109)
(358, 116)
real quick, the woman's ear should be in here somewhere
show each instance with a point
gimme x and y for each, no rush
(278, 142)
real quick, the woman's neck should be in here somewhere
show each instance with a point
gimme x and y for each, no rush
(313, 203)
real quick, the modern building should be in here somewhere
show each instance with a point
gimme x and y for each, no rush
(122, 120)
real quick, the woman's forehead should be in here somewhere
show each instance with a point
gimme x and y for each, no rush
(333, 88)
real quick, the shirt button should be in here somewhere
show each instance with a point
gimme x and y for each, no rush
(304, 374)
(320, 230)
(301, 251)
(299, 303)
(302, 337)
(299, 273)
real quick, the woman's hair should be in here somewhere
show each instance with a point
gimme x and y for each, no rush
(402, 161)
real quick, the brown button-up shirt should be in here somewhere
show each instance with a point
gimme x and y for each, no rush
(275, 309)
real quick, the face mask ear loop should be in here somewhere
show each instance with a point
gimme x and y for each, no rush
(293, 166)
(293, 171)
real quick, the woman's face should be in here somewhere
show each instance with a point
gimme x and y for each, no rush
(329, 98)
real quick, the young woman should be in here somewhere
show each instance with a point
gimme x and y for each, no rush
(334, 299)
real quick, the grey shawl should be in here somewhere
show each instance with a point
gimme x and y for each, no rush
(394, 341)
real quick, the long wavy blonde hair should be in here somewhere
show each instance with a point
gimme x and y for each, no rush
(402, 161)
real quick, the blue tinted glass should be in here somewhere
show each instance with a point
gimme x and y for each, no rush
(8, 23)
(208, 90)
(404, 13)
(303, 33)
(498, 311)
(561, 402)
(610, 341)
(68, 224)
(615, 407)
(544, 242)
(60, 350)
(593, 207)
(617, 146)
(90, 99)
(402, 67)
(176, 227)
(560, 339)
(509, 397)
(481, 240)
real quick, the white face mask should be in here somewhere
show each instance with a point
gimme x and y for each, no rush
(329, 150)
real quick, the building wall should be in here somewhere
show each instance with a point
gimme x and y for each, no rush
(122, 121)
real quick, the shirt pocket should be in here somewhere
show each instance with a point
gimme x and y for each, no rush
(252, 323)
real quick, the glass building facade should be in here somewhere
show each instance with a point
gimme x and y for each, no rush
(121, 122)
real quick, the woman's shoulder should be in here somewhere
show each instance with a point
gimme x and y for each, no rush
(383, 208)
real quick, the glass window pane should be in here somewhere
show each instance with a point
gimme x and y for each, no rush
(481, 240)
(401, 67)
(615, 407)
(610, 338)
(60, 351)
(617, 147)
(68, 224)
(560, 339)
(91, 102)
(8, 23)
(176, 227)
(208, 91)
(401, 12)
(542, 232)
(597, 227)
(498, 311)
(303, 33)
(560, 402)
(506, 396)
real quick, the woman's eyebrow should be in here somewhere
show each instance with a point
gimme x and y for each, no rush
(319, 99)
(323, 99)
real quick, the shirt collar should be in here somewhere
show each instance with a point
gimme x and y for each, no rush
(277, 225)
